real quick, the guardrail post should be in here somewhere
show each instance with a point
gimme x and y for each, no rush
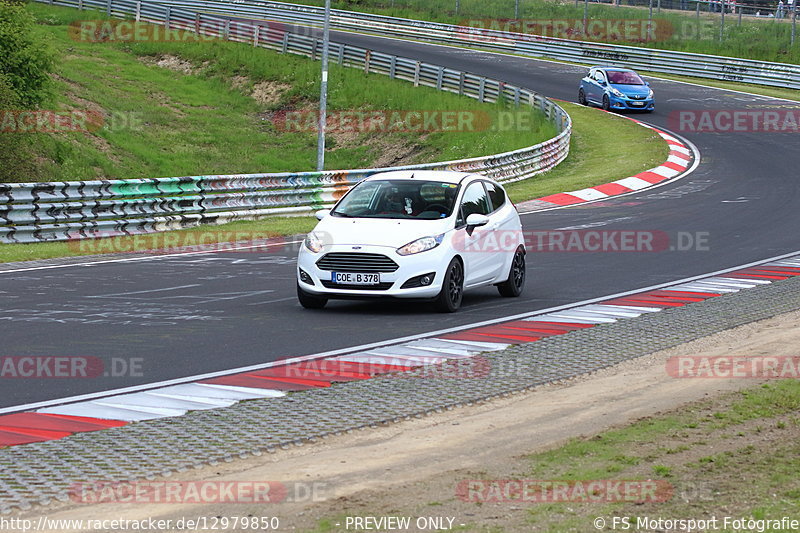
(255, 34)
(197, 23)
(516, 96)
(392, 67)
(108, 8)
(341, 55)
(417, 67)
(285, 43)
(461, 83)
(367, 57)
(80, 5)
(481, 89)
(439, 78)
(314, 49)
(227, 30)
(167, 16)
(138, 14)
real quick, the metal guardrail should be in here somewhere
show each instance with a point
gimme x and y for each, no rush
(583, 52)
(34, 212)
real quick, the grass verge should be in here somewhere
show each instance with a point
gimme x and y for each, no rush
(193, 108)
(599, 154)
(705, 451)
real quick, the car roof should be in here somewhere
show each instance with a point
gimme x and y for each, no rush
(621, 69)
(445, 176)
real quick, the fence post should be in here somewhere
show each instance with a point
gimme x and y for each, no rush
(285, 43)
(197, 23)
(256, 35)
(138, 15)
(80, 5)
(417, 67)
(722, 21)
(794, 22)
(227, 29)
(167, 16)
(108, 8)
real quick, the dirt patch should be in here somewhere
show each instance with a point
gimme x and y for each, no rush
(412, 468)
(393, 153)
(171, 62)
(269, 92)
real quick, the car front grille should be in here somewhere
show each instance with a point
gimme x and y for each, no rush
(356, 262)
(377, 287)
(636, 96)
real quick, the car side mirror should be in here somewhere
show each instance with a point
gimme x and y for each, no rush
(475, 220)
(647, 83)
(602, 82)
(322, 213)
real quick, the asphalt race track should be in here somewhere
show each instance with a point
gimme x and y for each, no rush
(172, 317)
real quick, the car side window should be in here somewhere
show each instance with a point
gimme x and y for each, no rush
(496, 195)
(475, 200)
(598, 75)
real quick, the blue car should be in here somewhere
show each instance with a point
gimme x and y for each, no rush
(616, 89)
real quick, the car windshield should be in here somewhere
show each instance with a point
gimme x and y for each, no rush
(624, 77)
(406, 199)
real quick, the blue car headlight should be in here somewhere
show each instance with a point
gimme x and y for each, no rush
(617, 93)
(650, 93)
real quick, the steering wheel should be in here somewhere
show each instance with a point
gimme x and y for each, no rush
(438, 207)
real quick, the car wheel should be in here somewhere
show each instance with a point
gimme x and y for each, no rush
(310, 301)
(582, 97)
(606, 102)
(512, 287)
(449, 299)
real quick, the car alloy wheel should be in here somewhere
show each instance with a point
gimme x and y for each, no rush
(449, 299)
(582, 97)
(513, 286)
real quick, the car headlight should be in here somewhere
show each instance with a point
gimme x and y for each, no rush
(617, 93)
(421, 245)
(650, 93)
(313, 242)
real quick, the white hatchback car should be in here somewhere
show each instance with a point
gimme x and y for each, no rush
(422, 235)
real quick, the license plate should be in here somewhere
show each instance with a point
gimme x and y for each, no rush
(355, 278)
(639, 104)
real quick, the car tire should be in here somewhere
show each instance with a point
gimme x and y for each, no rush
(582, 97)
(449, 298)
(310, 301)
(514, 285)
(606, 103)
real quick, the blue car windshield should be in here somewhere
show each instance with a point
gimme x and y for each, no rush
(624, 77)
(406, 199)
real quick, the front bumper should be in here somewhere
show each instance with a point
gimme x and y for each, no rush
(410, 266)
(648, 104)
